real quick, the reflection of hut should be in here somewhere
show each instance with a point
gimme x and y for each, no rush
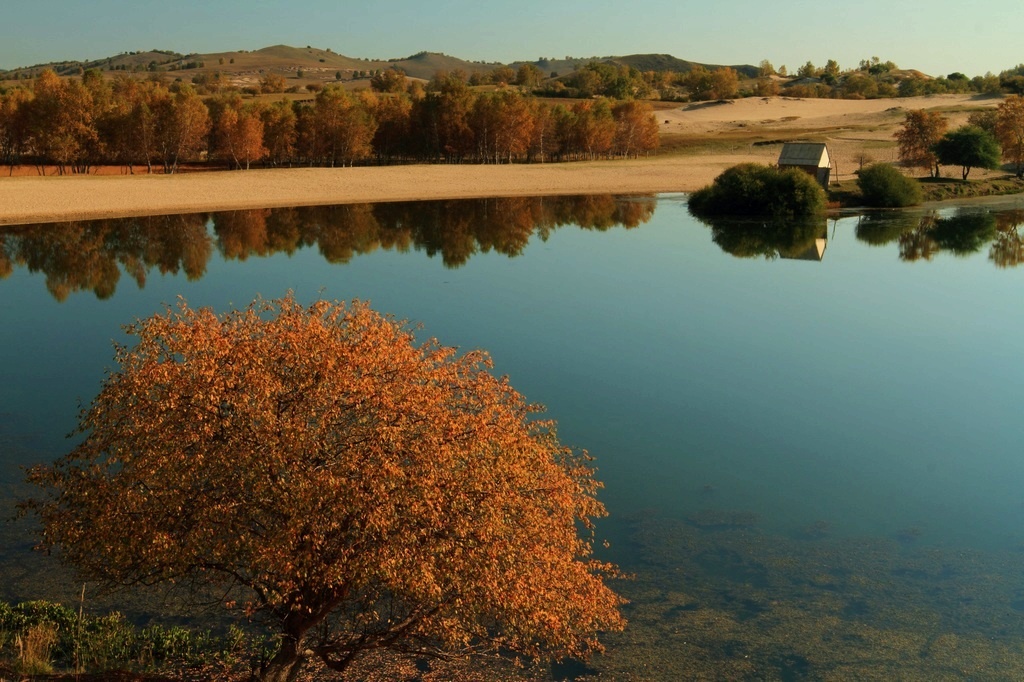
(814, 250)
(810, 157)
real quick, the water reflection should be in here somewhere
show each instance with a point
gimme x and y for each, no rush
(916, 236)
(80, 256)
(91, 255)
(795, 239)
(965, 232)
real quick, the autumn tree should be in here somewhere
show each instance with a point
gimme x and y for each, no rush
(272, 83)
(14, 125)
(343, 128)
(182, 123)
(389, 80)
(636, 128)
(279, 132)
(920, 131)
(502, 75)
(591, 129)
(350, 488)
(968, 147)
(502, 125)
(242, 136)
(127, 128)
(721, 83)
(986, 119)
(441, 118)
(766, 87)
(393, 116)
(1010, 131)
(62, 122)
(544, 140)
(529, 76)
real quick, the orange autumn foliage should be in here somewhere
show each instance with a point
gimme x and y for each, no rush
(352, 489)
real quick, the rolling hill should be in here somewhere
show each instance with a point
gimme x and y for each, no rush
(325, 64)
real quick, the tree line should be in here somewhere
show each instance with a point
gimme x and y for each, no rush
(78, 123)
(924, 142)
(870, 79)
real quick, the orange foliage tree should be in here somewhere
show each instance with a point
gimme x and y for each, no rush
(1010, 130)
(279, 132)
(241, 137)
(636, 128)
(182, 123)
(920, 131)
(62, 122)
(352, 489)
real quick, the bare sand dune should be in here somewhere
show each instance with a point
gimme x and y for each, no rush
(851, 128)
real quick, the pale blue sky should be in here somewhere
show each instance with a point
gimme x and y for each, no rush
(935, 36)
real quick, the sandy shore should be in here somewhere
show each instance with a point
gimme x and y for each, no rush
(851, 128)
(46, 199)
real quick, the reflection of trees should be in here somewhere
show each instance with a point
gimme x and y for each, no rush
(92, 255)
(1007, 250)
(917, 243)
(964, 233)
(772, 239)
(961, 234)
(879, 229)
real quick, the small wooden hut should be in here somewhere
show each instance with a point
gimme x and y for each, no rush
(810, 157)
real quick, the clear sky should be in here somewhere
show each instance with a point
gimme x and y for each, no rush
(934, 36)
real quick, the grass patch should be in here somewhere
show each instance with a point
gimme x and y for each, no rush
(942, 189)
(44, 638)
(847, 194)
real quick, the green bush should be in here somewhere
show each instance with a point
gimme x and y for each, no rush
(751, 189)
(883, 186)
(107, 642)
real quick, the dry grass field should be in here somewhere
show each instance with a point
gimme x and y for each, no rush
(856, 131)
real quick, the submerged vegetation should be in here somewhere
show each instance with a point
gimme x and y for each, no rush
(734, 601)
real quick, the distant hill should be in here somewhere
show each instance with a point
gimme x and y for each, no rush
(324, 64)
(666, 62)
(641, 62)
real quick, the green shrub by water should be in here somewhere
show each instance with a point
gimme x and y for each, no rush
(883, 186)
(38, 637)
(751, 189)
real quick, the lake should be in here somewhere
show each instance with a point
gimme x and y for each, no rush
(809, 435)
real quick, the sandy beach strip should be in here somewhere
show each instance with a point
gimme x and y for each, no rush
(33, 199)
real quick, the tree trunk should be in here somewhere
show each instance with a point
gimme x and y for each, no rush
(286, 663)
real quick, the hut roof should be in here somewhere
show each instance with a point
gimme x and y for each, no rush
(804, 154)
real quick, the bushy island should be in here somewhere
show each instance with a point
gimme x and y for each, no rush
(756, 190)
(755, 210)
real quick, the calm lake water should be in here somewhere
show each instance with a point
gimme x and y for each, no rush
(810, 437)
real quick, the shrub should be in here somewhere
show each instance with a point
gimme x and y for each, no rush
(968, 147)
(751, 189)
(883, 186)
